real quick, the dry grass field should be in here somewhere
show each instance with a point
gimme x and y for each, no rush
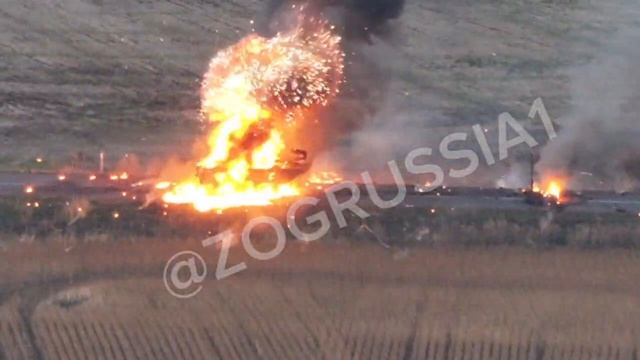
(322, 301)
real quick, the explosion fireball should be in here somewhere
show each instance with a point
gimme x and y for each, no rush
(255, 95)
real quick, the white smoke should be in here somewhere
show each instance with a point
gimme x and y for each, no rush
(598, 144)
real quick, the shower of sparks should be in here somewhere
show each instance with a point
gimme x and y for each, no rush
(253, 94)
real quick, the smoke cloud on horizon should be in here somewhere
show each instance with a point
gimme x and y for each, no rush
(598, 143)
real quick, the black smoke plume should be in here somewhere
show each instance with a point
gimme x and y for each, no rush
(359, 19)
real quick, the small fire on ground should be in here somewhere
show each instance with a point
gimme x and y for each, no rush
(552, 187)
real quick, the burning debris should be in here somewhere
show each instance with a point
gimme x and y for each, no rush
(552, 188)
(324, 178)
(257, 95)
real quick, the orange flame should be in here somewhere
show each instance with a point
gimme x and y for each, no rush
(552, 187)
(324, 178)
(253, 94)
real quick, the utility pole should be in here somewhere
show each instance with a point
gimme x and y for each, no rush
(533, 159)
